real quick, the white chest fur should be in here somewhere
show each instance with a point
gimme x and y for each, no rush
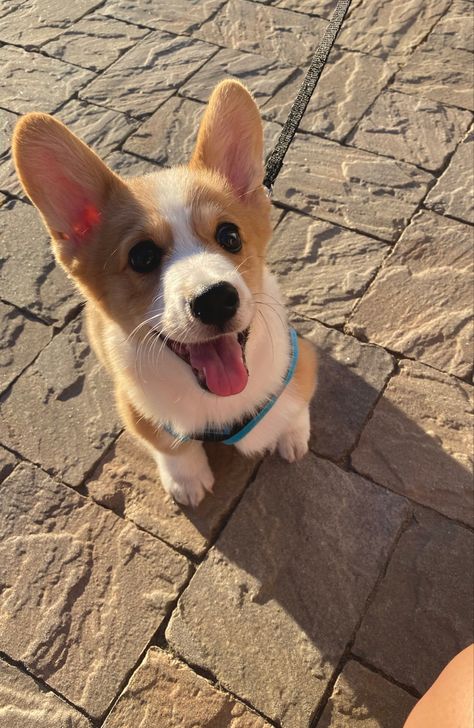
(164, 389)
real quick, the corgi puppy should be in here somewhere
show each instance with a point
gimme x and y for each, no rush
(181, 309)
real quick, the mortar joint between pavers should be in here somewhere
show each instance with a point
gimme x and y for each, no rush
(84, 491)
(38, 51)
(448, 216)
(393, 373)
(55, 328)
(127, 21)
(173, 92)
(399, 356)
(17, 664)
(319, 709)
(211, 678)
(418, 507)
(231, 511)
(368, 665)
(418, 208)
(346, 138)
(151, 643)
(354, 229)
(407, 521)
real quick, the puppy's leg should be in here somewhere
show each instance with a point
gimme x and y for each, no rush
(293, 443)
(184, 469)
(186, 476)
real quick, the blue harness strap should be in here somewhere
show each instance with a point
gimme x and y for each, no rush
(227, 436)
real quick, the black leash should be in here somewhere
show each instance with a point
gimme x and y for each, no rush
(275, 160)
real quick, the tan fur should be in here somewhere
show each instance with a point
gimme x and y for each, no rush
(306, 368)
(144, 430)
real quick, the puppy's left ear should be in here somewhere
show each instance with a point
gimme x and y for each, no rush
(230, 138)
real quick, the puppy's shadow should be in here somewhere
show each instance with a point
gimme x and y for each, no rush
(287, 534)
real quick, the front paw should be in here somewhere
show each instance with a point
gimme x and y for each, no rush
(186, 475)
(188, 490)
(293, 444)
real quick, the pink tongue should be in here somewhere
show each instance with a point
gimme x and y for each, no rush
(222, 364)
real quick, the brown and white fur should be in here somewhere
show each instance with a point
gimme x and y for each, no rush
(95, 218)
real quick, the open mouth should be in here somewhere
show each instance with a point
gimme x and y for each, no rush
(218, 364)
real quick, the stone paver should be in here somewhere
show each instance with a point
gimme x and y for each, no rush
(439, 73)
(24, 703)
(363, 699)
(426, 592)
(415, 130)
(104, 130)
(94, 42)
(9, 182)
(59, 413)
(33, 82)
(454, 29)
(145, 701)
(452, 194)
(350, 378)
(350, 187)
(419, 440)
(7, 124)
(181, 16)
(262, 75)
(7, 463)
(420, 304)
(169, 135)
(29, 277)
(127, 482)
(323, 8)
(128, 165)
(85, 590)
(20, 341)
(270, 31)
(147, 75)
(294, 566)
(9, 6)
(34, 21)
(345, 92)
(323, 269)
(388, 28)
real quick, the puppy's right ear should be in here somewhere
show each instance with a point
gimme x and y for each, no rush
(64, 178)
(230, 139)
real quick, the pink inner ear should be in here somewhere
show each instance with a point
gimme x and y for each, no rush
(70, 201)
(88, 218)
(237, 172)
(234, 160)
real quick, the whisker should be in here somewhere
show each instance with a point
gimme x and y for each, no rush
(268, 332)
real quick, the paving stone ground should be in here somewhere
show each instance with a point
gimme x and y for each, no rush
(326, 594)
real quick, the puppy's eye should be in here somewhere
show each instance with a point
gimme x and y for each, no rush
(227, 235)
(144, 257)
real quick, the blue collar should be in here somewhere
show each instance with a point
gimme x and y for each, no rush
(233, 434)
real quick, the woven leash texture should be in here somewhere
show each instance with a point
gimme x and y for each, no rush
(275, 160)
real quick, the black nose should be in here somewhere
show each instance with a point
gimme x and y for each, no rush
(216, 305)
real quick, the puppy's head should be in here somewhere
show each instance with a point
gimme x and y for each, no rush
(177, 254)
